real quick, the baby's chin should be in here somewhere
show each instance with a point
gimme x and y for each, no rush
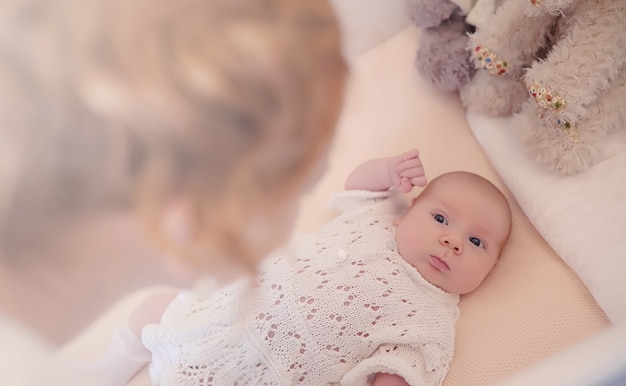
(447, 284)
(434, 277)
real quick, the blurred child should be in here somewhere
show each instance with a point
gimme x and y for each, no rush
(142, 142)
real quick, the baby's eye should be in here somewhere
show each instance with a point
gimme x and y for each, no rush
(440, 219)
(477, 242)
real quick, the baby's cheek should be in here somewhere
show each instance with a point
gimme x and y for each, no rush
(473, 277)
(484, 269)
(409, 248)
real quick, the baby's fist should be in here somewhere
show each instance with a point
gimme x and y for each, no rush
(406, 171)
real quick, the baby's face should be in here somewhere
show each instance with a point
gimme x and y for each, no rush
(454, 235)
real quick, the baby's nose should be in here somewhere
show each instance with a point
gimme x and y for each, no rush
(453, 242)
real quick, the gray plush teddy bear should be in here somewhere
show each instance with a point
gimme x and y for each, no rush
(442, 55)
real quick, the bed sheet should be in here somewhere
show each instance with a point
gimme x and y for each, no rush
(582, 216)
(530, 307)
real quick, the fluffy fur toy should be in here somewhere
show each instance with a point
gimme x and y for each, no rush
(442, 57)
(560, 65)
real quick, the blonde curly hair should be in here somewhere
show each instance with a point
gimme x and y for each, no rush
(114, 104)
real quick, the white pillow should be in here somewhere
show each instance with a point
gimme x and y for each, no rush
(583, 217)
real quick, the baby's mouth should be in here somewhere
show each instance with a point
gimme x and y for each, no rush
(438, 263)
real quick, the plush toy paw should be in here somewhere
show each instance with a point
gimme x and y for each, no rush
(493, 96)
(565, 150)
(565, 147)
(443, 58)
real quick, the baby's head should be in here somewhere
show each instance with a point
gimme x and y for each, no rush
(455, 230)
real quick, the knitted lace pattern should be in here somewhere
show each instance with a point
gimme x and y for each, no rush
(333, 307)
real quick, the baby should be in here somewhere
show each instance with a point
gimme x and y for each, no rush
(372, 298)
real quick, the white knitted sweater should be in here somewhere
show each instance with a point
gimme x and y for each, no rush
(334, 307)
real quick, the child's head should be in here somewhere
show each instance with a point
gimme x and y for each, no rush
(225, 106)
(455, 231)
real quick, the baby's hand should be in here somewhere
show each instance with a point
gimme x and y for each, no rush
(406, 171)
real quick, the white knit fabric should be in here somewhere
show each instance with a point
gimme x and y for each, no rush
(334, 306)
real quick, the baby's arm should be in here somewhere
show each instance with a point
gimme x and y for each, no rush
(384, 379)
(403, 172)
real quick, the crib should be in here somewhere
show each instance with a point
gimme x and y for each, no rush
(539, 318)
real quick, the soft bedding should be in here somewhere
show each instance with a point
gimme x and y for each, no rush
(531, 306)
(583, 216)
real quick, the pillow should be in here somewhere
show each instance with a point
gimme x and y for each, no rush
(583, 217)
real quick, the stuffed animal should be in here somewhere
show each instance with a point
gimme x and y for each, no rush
(560, 67)
(442, 56)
